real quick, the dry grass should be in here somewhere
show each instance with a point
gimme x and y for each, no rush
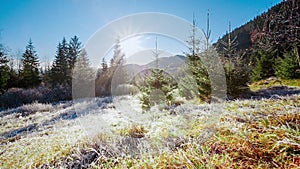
(247, 134)
(266, 83)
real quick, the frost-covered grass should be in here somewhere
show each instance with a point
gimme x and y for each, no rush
(261, 133)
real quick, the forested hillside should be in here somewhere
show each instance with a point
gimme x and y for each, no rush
(269, 44)
(280, 25)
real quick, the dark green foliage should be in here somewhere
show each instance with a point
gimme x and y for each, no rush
(158, 88)
(13, 78)
(288, 66)
(237, 70)
(264, 66)
(46, 76)
(65, 59)
(4, 70)
(74, 49)
(59, 71)
(278, 28)
(30, 72)
(237, 75)
(196, 82)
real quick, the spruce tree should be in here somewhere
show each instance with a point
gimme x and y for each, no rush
(237, 71)
(74, 49)
(288, 66)
(117, 72)
(30, 72)
(264, 67)
(196, 82)
(4, 70)
(112, 75)
(83, 77)
(103, 80)
(60, 70)
(157, 88)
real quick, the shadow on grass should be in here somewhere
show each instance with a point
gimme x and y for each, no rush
(66, 114)
(274, 92)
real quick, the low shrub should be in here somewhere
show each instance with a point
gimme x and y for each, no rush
(15, 97)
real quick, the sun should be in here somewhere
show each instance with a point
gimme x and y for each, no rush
(132, 45)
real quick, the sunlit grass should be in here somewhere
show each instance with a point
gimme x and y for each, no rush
(264, 84)
(39, 149)
(249, 134)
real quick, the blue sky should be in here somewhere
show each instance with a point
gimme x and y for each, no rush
(46, 22)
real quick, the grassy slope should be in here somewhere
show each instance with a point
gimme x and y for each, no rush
(245, 134)
(263, 84)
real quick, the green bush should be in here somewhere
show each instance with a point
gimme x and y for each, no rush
(158, 88)
(237, 76)
(264, 67)
(288, 66)
(196, 82)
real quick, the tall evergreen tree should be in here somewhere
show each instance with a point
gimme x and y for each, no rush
(83, 77)
(117, 71)
(196, 82)
(4, 70)
(30, 72)
(236, 69)
(59, 71)
(118, 57)
(103, 80)
(157, 86)
(74, 49)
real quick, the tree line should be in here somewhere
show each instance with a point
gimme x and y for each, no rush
(56, 80)
(30, 74)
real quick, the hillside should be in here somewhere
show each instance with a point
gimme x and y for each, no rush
(281, 23)
(173, 65)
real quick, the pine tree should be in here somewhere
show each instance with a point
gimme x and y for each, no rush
(288, 66)
(264, 67)
(60, 70)
(30, 72)
(102, 81)
(83, 77)
(196, 82)
(74, 49)
(117, 72)
(109, 77)
(158, 88)
(237, 71)
(118, 57)
(4, 70)
(239, 74)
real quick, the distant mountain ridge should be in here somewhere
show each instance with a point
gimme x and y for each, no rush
(173, 65)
